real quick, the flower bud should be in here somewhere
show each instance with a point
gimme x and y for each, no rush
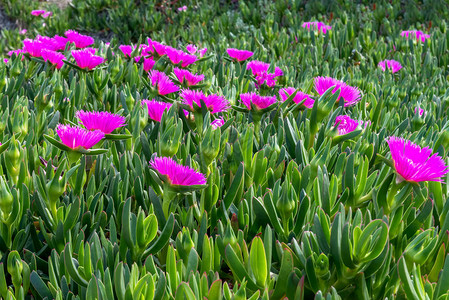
(6, 198)
(229, 237)
(287, 202)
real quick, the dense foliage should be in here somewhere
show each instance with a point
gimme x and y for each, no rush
(321, 175)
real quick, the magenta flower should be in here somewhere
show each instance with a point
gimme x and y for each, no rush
(414, 163)
(80, 40)
(47, 14)
(156, 109)
(156, 46)
(260, 102)
(239, 55)
(148, 64)
(77, 137)
(417, 34)
(104, 121)
(350, 95)
(34, 48)
(59, 42)
(162, 82)
(202, 52)
(179, 57)
(53, 57)
(86, 59)
(217, 123)
(37, 13)
(126, 50)
(5, 60)
(191, 48)
(214, 103)
(182, 8)
(16, 52)
(300, 96)
(187, 77)
(317, 26)
(177, 174)
(420, 111)
(346, 124)
(257, 67)
(393, 65)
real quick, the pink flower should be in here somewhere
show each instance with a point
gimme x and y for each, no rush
(417, 34)
(177, 174)
(60, 42)
(393, 65)
(214, 103)
(350, 95)
(420, 111)
(266, 78)
(76, 137)
(23, 31)
(34, 48)
(346, 124)
(191, 48)
(156, 109)
(239, 55)
(179, 57)
(86, 59)
(202, 52)
(217, 123)
(414, 163)
(16, 52)
(156, 46)
(53, 57)
(148, 64)
(318, 26)
(5, 60)
(189, 78)
(300, 96)
(47, 14)
(260, 102)
(183, 8)
(257, 67)
(104, 121)
(80, 40)
(126, 50)
(37, 13)
(163, 82)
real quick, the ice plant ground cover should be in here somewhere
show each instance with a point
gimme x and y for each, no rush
(224, 150)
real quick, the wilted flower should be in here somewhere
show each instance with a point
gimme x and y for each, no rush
(34, 48)
(318, 26)
(239, 55)
(177, 174)
(414, 163)
(217, 123)
(163, 82)
(179, 57)
(76, 137)
(214, 103)
(417, 34)
(300, 96)
(53, 57)
(104, 121)
(260, 102)
(80, 40)
(156, 109)
(393, 65)
(86, 59)
(47, 14)
(189, 78)
(350, 95)
(420, 111)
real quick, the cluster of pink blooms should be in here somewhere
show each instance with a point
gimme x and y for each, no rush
(260, 71)
(177, 174)
(184, 76)
(45, 14)
(317, 26)
(163, 83)
(259, 102)
(393, 65)
(284, 93)
(182, 8)
(415, 34)
(214, 103)
(351, 95)
(192, 49)
(414, 163)
(97, 125)
(239, 55)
